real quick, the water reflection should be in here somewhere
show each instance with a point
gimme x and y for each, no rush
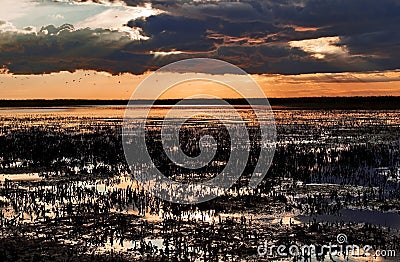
(65, 189)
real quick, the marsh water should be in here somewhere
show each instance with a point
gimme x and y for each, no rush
(67, 193)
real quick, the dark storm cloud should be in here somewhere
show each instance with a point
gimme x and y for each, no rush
(193, 37)
(170, 32)
(255, 35)
(336, 12)
(55, 49)
(241, 21)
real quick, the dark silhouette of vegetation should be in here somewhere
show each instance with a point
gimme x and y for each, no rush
(345, 103)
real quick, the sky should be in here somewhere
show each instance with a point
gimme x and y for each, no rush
(292, 48)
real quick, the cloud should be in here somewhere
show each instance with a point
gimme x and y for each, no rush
(321, 47)
(266, 36)
(57, 16)
(348, 77)
(115, 18)
(334, 36)
(61, 48)
(6, 26)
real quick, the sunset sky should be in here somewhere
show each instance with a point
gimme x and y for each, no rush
(292, 48)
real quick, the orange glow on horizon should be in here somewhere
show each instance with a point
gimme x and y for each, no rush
(99, 85)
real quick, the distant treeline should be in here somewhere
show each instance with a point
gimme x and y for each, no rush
(376, 102)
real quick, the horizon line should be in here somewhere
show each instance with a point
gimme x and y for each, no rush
(168, 99)
(350, 103)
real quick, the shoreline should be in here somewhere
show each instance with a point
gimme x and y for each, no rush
(329, 103)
